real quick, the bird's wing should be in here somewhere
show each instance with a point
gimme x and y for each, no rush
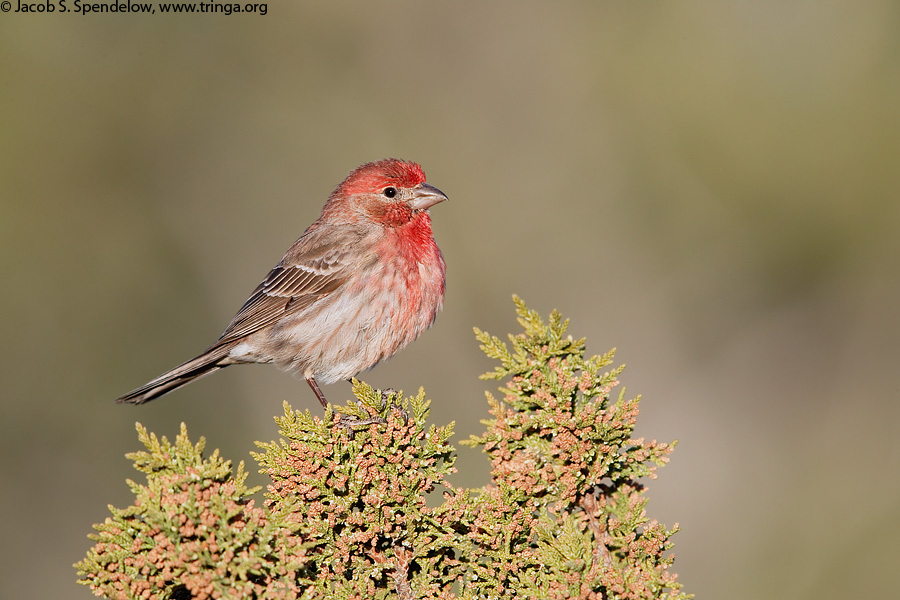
(299, 280)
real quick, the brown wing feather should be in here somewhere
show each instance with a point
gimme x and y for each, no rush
(288, 288)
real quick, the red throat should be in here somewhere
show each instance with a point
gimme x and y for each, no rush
(412, 243)
(415, 239)
(414, 246)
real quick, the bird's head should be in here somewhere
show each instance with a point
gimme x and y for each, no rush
(388, 192)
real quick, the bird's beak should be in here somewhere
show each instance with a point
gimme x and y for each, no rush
(426, 196)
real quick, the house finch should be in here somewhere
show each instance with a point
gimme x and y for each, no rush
(363, 281)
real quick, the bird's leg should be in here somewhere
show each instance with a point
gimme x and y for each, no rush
(315, 388)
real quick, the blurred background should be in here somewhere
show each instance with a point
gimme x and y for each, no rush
(712, 189)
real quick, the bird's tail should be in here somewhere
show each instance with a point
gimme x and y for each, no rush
(209, 362)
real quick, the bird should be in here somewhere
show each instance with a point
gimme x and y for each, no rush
(363, 281)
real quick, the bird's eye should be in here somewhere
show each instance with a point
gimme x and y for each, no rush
(390, 192)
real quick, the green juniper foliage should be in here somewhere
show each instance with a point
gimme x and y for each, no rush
(193, 531)
(359, 506)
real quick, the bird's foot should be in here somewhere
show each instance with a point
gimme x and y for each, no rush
(353, 424)
(391, 395)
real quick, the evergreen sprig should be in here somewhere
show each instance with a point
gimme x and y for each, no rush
(193, 530)
(354, 497)
(352, 508)
(565, 463)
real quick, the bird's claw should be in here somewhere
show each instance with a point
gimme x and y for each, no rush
(391, 394)
(350, 424)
